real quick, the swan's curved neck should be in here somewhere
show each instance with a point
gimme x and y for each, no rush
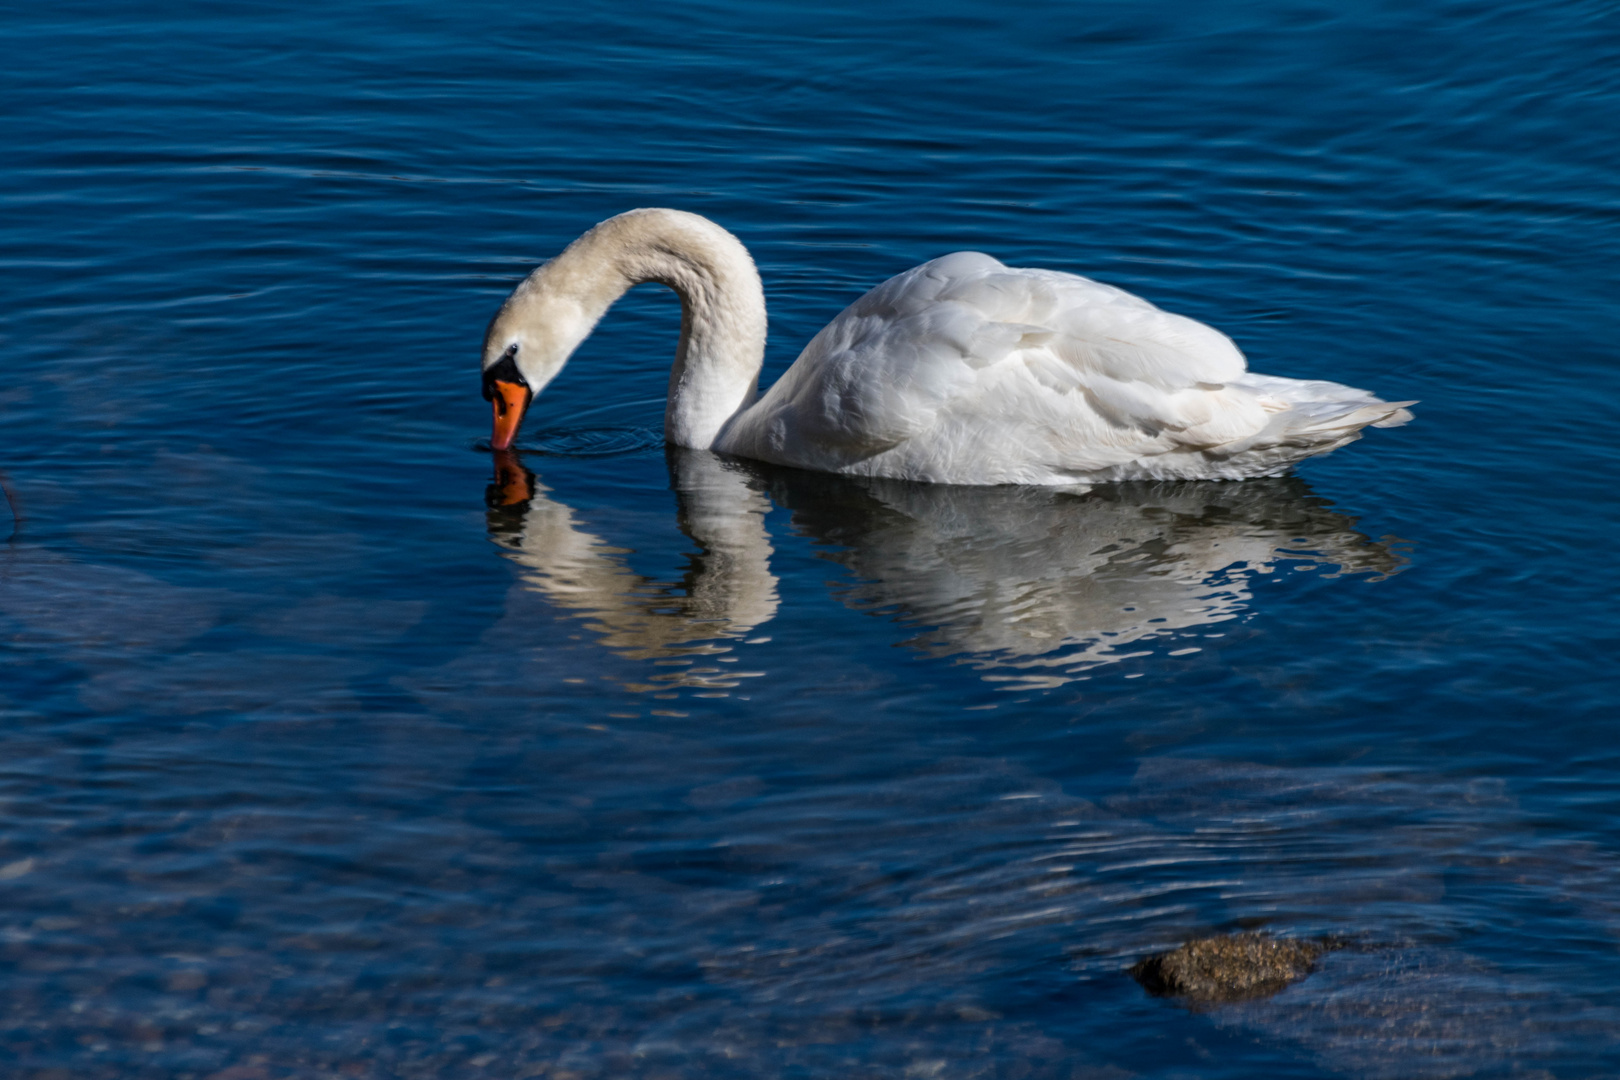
(716, 369)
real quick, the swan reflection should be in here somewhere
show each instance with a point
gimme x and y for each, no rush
(1049, 583)
(1031, 585)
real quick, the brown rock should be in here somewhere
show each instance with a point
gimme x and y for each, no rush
(1229, 967)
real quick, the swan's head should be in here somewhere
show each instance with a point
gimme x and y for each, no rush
(527, 343)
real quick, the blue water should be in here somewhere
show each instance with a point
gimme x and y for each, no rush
(323, 756)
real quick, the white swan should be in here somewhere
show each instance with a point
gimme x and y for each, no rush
(960, 371)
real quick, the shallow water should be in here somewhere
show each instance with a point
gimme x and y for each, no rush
(331, 747)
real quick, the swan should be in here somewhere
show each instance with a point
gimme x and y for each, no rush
(958, 371)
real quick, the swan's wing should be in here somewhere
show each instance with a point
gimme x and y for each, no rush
(971, 369)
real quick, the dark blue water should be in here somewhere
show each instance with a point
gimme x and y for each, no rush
(318, 759)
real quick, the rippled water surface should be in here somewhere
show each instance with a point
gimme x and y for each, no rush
(328, 749)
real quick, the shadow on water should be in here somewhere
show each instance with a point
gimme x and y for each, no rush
(1033, 586)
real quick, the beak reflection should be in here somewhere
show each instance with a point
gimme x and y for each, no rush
(513, 484)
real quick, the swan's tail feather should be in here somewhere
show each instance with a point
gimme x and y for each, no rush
(1337, 418)
(1305, 418)
(1307, 409)
(1400, 415)
(1308, 417)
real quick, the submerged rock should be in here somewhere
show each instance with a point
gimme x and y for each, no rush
(1229, 967)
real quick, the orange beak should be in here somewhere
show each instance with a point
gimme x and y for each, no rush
(509, 401)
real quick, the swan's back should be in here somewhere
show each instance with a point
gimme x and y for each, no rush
(963, 370)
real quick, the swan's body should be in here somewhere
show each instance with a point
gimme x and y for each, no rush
(959, 371)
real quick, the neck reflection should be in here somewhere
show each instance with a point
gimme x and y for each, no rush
(727, 591)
